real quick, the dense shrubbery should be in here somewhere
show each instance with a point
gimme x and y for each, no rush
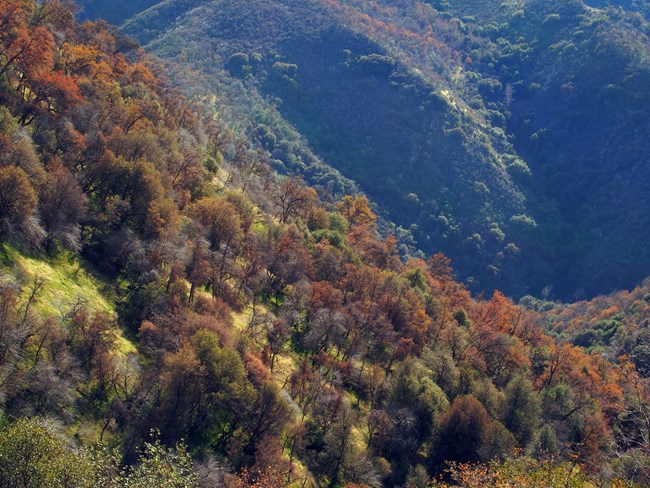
(32, 453)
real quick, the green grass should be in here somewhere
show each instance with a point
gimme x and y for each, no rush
(66, 281)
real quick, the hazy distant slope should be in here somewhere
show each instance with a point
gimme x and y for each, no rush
(581, 83)
(572, 84)
(511, 137)
(406, 139)
(115, 11)
(640, 6)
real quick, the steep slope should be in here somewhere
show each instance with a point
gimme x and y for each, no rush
(114, 12)
(417, 149)
(578, 79)
(439, 111)
(569, 81)
(397, 108)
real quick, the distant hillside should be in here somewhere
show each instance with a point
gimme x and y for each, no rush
(115, 11)
(511, 138)
(404, 137)
(640, 6)
(570, 82)
(580, 81)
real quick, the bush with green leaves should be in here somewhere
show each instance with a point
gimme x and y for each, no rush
(33, 454)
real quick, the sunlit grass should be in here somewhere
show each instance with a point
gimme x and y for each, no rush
(65, 282)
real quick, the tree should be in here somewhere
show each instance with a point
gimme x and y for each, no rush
(14, 41)
(51, 91)
(160, 466)
(418, 478)
(62, 206)
(267, 416)
(462, 431)
(520, 472)
(522, 409)
(31, 454)
(356, 210)
(293, 198)
(221, 226)
(256, 479)
(340, 459)
(93, 339)
(277, 335)
(229, 391)
(412, 387)
(286, 258)
(198, 267)
(499, 443)
(220, 222)
(130, 195)
(18, 202)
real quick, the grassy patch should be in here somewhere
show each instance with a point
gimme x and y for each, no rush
(241, 320)
(124, 346)
(66, 281)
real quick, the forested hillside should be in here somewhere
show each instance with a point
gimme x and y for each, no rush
(631, 5)
(175, 313)
(616, 325)
(579, 81)
(406, 139)
(115, 11)
(510, 138)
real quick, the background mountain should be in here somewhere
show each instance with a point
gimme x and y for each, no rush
(115, 12)
(511, 138)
